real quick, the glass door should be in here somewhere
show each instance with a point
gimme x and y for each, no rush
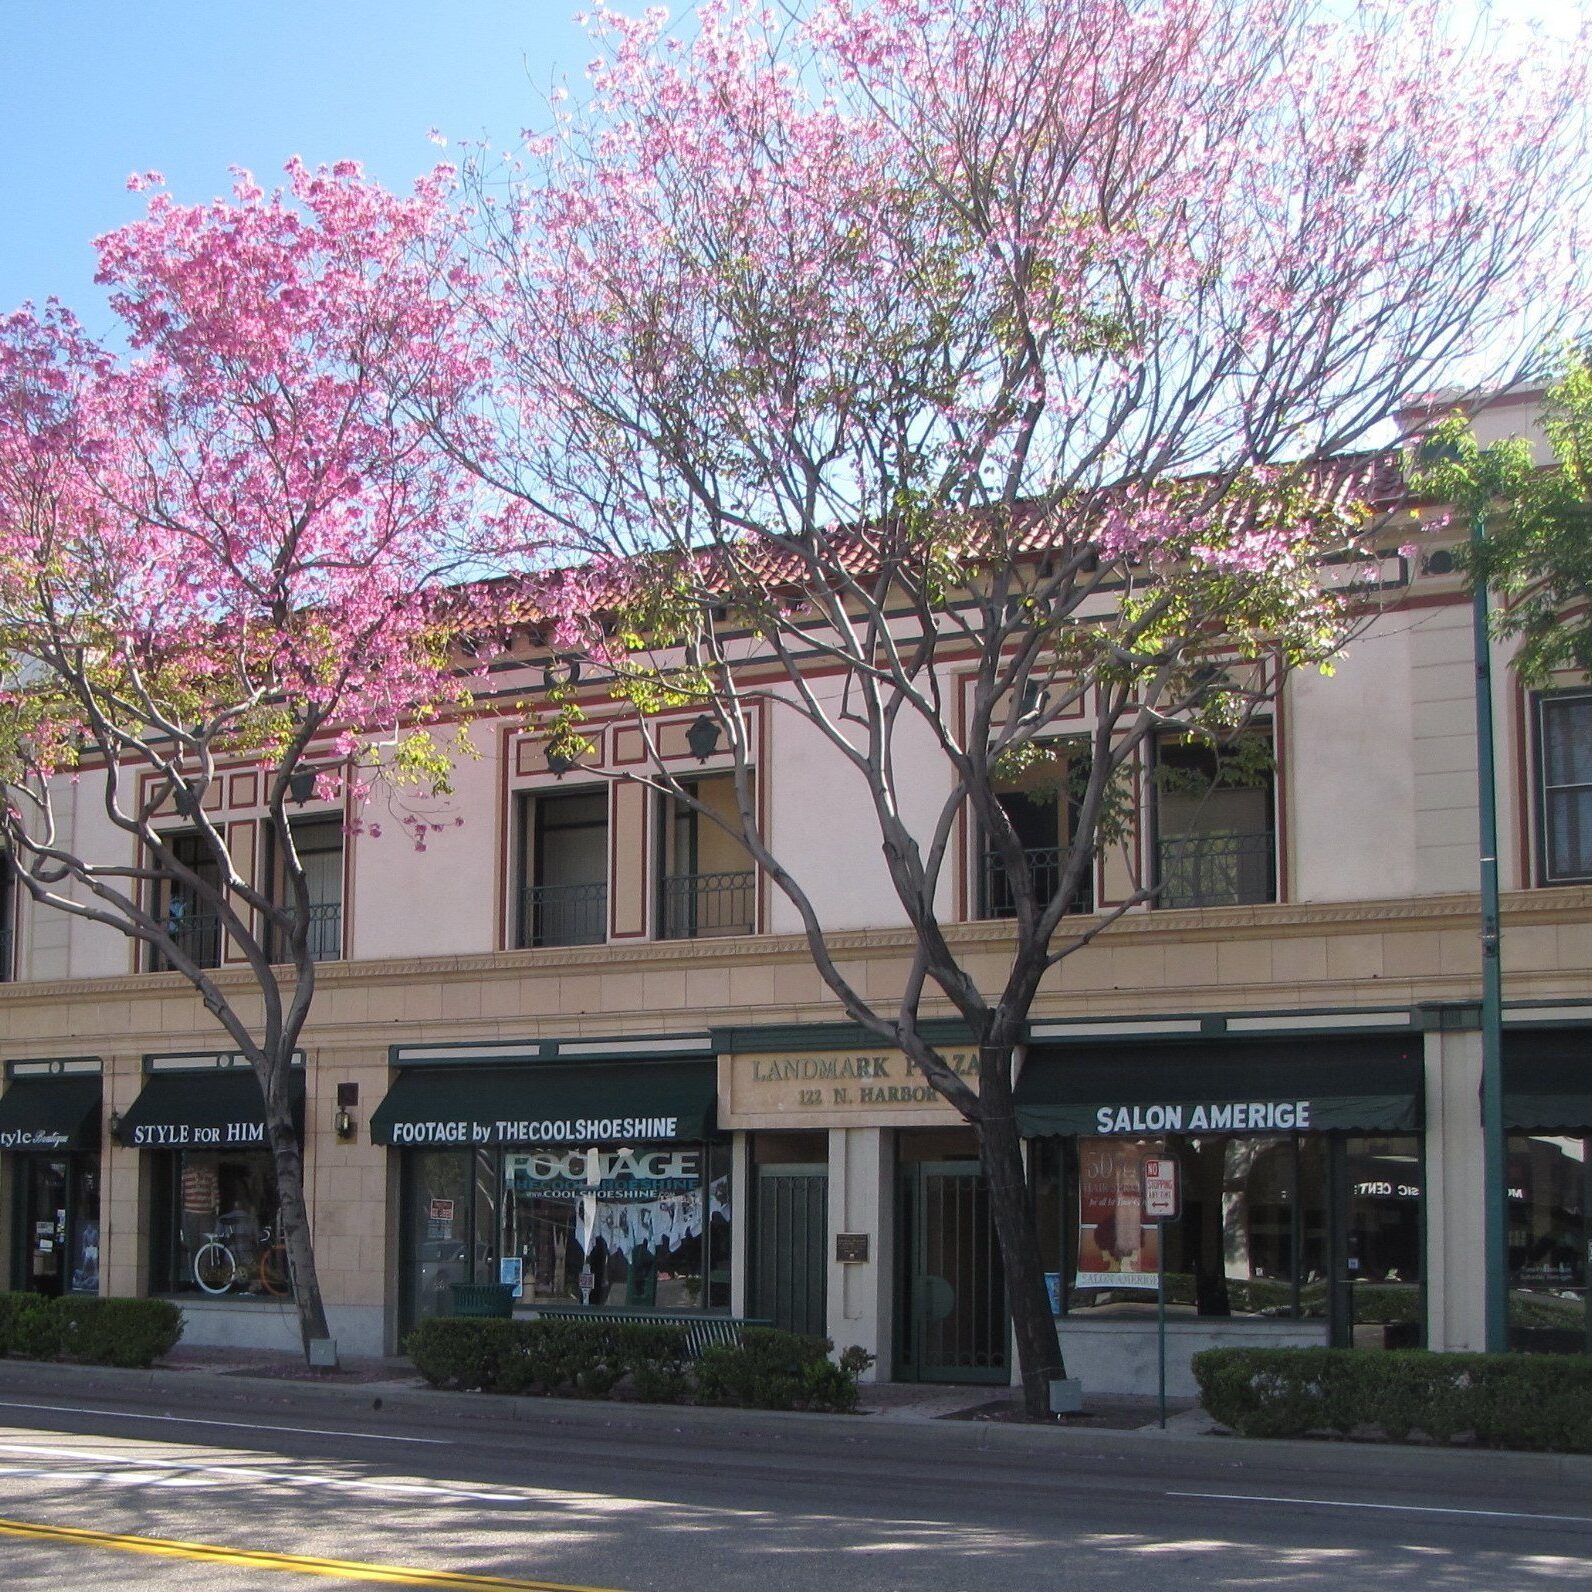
(43, 1251)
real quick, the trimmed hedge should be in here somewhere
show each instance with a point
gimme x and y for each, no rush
(1494, 1400)
(124, 1332)
(769, 1369)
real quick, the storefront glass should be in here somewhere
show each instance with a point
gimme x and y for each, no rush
(217, 1225)
(1548, 1243)
(1272, 1226)
(644, 1227)
(58, 1210)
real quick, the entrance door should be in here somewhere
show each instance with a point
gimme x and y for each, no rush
(791, 1272)
(954, 1325)
(43, 1251)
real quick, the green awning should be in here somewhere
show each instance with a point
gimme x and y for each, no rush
(1548, 1081)
(1363, 1084)
(212, 1108)
(56, 1113)
(615, 1102)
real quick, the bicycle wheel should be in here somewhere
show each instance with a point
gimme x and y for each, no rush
(273, 1269)
(214, 1269)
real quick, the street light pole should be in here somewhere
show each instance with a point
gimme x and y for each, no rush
(1494, 1150)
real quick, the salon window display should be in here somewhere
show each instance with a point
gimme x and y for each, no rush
(217, 1226)
(1549, 1240)
(1265, 1221)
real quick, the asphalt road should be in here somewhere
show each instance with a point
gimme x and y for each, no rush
(590, 1500)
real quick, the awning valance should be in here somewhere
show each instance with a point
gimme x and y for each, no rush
(1548, 1081)
(1363, 1084)
(211, 1108)
(53, 1113)
(620, 1102)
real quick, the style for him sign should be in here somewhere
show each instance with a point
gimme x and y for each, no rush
(195, 1135)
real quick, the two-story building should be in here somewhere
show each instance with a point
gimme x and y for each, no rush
(578, 1045)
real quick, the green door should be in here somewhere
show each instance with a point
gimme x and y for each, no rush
(791, 1241)
(953, 1320)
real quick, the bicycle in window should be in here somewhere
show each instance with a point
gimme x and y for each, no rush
(233, 1258)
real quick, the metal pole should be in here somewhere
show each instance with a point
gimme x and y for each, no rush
(1160, 1318)
(1494, 1150)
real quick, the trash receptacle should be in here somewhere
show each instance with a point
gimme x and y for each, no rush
(482, 1299)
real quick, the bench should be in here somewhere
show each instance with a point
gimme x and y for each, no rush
(700, 1331)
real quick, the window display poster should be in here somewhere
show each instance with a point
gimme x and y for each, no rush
(1117, 1248)
(511, 1273)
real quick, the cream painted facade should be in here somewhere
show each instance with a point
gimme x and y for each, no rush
(1374, 930)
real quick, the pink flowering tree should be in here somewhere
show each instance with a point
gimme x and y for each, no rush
(973, 380)
(231, 545)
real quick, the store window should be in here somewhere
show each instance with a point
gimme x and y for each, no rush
(1548, 1243)
(644, 1227)
(217, 1225)
(1280, 1226)
(1564, 785)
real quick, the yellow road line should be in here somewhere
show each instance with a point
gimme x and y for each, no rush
(251, 1559)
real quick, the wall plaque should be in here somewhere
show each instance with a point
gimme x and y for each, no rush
(851, 1249)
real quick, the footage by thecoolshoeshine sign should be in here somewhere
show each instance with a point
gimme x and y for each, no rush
(557, 1130)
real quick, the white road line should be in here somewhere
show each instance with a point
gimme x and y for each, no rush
(233, 1426)
(1408, 1509)
(130, 1464)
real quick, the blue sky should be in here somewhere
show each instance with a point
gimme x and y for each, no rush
(91, 90)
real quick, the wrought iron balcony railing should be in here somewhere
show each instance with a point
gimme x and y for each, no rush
(564, 914)
(701, 905)
(1216, 870)
(325, 934)
(1044, 867)
(196, 934)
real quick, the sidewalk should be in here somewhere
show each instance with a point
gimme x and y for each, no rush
(886, 1401)
(903, 1425)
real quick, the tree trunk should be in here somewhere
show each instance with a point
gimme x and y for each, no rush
(1001, 1155)
(288, 1155)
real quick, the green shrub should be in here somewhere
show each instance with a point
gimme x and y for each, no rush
(1497, 1400)
(770, 1369)
(576, 1358)
(124, 1332)
(580, 1359)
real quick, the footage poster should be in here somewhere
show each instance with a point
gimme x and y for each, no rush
(1116, 1246)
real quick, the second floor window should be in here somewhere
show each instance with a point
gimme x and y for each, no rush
(10, 895)
(1215, 841)
(319, 843)
(706, 878)
(1045, 820)
(187, 909)
(563, 869)
(1564, 784)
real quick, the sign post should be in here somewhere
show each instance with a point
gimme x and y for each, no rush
(1162, 1204)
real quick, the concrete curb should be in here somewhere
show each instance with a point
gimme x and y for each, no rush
(793, 1432)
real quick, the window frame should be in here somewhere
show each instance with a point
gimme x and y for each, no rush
(1542, 701)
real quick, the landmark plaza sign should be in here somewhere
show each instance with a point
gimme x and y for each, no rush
(834, 1088)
